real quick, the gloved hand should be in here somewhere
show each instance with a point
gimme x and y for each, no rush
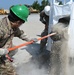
(55, 37)
(34, 39)
(3, 51)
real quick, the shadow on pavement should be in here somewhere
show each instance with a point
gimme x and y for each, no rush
(33, 49)
(40, 59)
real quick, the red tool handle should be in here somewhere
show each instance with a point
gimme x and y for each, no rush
(30, 42)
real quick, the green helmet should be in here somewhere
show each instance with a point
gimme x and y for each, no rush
(20, 11)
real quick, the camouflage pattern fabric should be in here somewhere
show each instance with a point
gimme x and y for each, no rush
(7, 69)
(45, 20)
(6, 31)
(6, 36)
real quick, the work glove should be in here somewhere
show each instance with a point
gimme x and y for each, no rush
(55, 37)
(3, 51)
(34, 39)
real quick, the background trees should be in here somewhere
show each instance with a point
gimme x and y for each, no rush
(40, 6)
(36, 5)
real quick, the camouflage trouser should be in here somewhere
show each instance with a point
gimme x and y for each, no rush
(44, 41)
(7, 69)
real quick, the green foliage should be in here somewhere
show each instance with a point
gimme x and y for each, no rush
(41, 6)
(36, 5)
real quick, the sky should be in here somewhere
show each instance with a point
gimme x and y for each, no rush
(7, 3)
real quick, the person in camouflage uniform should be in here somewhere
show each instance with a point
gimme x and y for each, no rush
(44, 18)
(43, 53)
(9, 28)
(59, 51)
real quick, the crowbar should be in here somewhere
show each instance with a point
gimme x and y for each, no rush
(30, 42)
(27, 43)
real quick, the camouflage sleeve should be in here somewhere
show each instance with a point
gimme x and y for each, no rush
(1, 34)
(17, 32)
(24, 36)
(1, 30)
(42, 19)
(21, 34)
